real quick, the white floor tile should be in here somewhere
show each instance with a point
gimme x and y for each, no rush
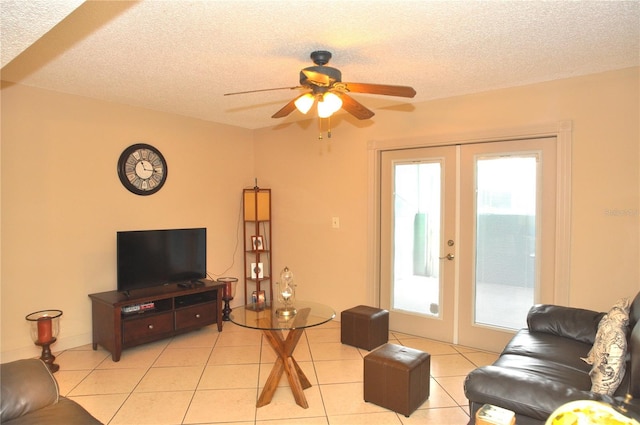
(211, 377)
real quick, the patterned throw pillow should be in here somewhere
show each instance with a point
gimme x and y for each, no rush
(609, 349)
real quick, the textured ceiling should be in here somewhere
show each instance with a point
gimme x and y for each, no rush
(23, 22)
(182, 56)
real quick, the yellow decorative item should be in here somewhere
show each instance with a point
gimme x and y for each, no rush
(588, 412)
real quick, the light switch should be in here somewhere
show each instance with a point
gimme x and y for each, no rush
(335, 222)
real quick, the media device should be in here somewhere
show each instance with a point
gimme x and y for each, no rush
(147, 258)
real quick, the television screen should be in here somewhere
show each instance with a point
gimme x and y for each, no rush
(148, 258)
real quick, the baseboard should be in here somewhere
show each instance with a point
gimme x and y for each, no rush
(34, 351)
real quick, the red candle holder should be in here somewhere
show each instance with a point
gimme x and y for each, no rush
(228, 293)
(44, 331)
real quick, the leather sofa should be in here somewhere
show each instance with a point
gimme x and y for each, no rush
(30, 395)
(541, 368)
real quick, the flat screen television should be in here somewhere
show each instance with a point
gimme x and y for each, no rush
(147, 258)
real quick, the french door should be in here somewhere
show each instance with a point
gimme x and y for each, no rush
(417, 219)
(467, 238)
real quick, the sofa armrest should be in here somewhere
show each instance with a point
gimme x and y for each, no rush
(568, 322)
(524, 393)
(65, 411)
(27, 385)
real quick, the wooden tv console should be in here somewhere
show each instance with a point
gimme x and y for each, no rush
(175, 310)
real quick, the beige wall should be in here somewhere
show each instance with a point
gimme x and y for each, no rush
(62, 202)
(320, 179)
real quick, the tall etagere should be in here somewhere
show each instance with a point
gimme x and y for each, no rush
(257, 246)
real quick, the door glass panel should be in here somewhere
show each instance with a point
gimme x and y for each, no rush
(416, 237)
(506, 210)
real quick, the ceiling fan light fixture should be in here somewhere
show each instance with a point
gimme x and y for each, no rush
(304, 102)
(328, 104)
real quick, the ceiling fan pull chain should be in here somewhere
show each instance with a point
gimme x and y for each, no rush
(319, 128)
(329, 127)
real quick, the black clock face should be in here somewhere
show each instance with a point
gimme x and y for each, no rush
(142, 169)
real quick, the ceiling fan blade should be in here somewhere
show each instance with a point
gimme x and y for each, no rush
(256, 91)
(317, 78)
(401, 91)
(287, 109)
(355, 108)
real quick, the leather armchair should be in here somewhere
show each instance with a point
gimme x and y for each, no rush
(29, 395)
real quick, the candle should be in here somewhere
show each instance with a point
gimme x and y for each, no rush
(227, 290)
(44, 330)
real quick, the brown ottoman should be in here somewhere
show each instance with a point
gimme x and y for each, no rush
(364, 327)
(397, 378)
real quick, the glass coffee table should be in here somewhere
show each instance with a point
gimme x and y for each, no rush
(272, 325)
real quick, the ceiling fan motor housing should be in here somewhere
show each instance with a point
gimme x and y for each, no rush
(334, 75)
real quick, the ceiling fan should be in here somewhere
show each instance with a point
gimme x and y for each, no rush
(323, 86)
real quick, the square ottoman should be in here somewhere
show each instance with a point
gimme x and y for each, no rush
(397, 378)
(364, 327)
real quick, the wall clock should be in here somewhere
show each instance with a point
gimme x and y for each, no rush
(142, 169)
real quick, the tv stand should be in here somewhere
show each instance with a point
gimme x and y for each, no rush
(123, 320)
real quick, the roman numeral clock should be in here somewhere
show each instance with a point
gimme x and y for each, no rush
(142, 169)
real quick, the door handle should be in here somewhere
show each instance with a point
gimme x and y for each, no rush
(448, 257)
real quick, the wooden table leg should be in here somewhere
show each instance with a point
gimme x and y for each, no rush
(285, 363)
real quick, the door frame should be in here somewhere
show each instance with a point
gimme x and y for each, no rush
(563, 132)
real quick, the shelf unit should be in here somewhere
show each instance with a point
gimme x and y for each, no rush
(258, 245)
(175, 310)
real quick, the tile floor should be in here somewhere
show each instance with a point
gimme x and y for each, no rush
(211, 377)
